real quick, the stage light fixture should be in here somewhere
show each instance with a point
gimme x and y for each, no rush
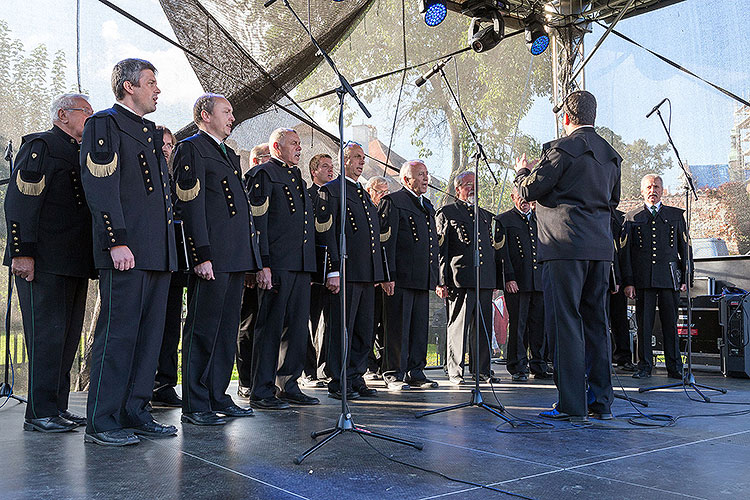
(482, 39)
(537, 39)
(434, 11)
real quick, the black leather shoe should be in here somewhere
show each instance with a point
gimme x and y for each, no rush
(520, 377)
(49, 424)
(243, 392)
(272, 403)
(154, 429)
(337, 394)
(456, 381)
(675, 375)
(627, 366)
(422, 383)
(310, 382)
(76, 419)
(364, 391)
(488, 379)
(642, 374)
(235, 411)
(116, 437)
(166, 397)
(202, 418)
(543, 376)
(396, 385)
(601, 416)
(298, 398)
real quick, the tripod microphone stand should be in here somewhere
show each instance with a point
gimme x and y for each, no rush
(476, 394)
(6, 388)
(345, 422)
(688, 379)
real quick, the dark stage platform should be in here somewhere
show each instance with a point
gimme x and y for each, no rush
(702, 457)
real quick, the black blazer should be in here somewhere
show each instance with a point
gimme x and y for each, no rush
(409, 235)
(125, 178)
(213, 206)
(45, 209)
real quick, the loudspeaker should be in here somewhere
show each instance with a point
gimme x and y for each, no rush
(734, 316)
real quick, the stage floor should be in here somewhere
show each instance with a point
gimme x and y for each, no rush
(706, 457)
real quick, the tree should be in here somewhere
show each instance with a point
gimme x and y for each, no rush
(638, 159)
(492, 86)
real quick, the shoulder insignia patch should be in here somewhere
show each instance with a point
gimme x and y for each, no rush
(259, 210)
(385, 236)
(623, 240)
(500, 244)
(101, 170)
(188, 194)
(321, 227)
(441, 239)
(30, 188)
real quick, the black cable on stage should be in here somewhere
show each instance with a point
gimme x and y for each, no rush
(444, 476)
(677, 66)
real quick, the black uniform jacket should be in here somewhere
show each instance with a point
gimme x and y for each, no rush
(284, 217)
(126, 181)
(365, 262)
(650, 243)
(577, 186)
(45, 208)
(455, 228)
(213, 206)
(517, 237)
(409, 235)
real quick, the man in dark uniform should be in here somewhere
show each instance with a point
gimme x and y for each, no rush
(619, 324)
(364, 269)
(576, 186)
(409, 237)
(213, 205)
(321, 172)
(126, 183)
(455, 228)
(49, 252)
(285, 225)
(517, 236)
(377, 187)
(249, 311)
(655, 253)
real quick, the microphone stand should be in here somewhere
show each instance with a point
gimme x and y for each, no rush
(6, 388)
(688, 380)
(476, 394)
(345, 422)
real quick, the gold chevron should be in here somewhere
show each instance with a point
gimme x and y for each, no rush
(684, 236)
(30, 188)
(500, 244)
(385, 236)
(188, 194)
(441, 239)
(322, 227)
(104, 170)
(259, 210)
(623, 240)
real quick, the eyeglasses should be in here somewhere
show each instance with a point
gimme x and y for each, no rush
(169, 145)
(381, 191)
(85, 111)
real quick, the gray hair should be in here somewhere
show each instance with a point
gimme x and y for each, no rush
(376, 180)
(278, 136)
(128, 70)
(652, 176)
(459, 177)
(64, 101)
(206, 103)
(406, 169)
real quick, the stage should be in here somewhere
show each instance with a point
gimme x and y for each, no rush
(252, 457)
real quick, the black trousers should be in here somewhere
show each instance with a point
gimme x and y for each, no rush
(407, 316)
(526, 332)
(375, 357)
(360, 301)
(575, 298)
(248, 315)
(126, 348)
(281, 333)
(52, 308)
(166, 371)
(620, 328)
(319, 308)
(646, 300)
(209, 342)
(462, 328)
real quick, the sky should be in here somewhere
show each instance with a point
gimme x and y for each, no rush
(627, 81)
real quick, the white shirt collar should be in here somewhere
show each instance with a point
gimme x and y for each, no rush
(128, 108)
(218, 141)
(658, 206)
(417, 196)
(350, 179)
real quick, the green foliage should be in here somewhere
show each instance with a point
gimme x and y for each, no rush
(638, 159)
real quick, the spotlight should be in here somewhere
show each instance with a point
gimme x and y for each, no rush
(537, 39)
(483, 39)
(434, 11)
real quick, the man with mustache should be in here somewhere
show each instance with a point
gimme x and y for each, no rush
(125, 178)
(213, 205)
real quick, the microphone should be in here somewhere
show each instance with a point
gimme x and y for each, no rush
(656, 107)
(423, 79)
(268, 3)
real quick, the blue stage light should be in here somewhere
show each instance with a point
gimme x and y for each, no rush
(434, 11)
(537, 39)
(539, 45)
